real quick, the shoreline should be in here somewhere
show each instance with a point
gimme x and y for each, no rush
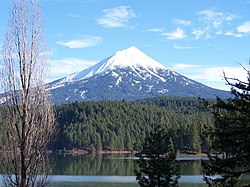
(81, 152)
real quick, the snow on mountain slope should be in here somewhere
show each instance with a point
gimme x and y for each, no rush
(128, 74)
(131, 57)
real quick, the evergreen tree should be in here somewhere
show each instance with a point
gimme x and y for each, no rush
(230, 149)
(157, 162)
(123, 125)
(98, 142)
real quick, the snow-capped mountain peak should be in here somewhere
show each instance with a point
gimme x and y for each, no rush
(131, 57)
(128, 74)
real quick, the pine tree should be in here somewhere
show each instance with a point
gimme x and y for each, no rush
(157, 162)
(230, 149)
(98, 142)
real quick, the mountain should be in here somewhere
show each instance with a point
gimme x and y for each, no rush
(128, 74)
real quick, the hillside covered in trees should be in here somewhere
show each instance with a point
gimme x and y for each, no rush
(122, 125)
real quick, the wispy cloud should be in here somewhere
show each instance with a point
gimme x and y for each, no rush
(178, 34)
(198, 33)
(212, 22)
(215, 74)
(209, 23)
(211, 76)
(184, 66)
(244, 28)
(116, 17)
(182, 22)
(62, 67)
(237, 35)
(155, 30)
(84, 42)
(215, 18)
(182, 47)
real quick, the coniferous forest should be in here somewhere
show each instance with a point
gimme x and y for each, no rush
(122, 125)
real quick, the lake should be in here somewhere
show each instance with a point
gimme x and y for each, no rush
(114, 171)
(105, 170)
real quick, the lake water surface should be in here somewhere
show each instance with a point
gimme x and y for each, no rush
(114, 171)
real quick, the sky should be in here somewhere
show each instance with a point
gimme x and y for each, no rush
(196, 38)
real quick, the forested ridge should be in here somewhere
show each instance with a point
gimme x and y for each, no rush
(122, 125)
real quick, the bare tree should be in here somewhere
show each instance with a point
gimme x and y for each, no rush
(28, 117)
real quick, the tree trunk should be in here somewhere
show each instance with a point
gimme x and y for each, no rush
(28, 119)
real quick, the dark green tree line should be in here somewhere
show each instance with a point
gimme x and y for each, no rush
(121, 125)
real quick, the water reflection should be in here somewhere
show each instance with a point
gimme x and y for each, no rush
(188, 167)
(102, 164)
(114, 171)
(111, 165)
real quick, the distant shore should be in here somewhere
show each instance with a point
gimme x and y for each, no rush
(84, 152)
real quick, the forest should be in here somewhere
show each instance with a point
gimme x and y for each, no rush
(123, 125)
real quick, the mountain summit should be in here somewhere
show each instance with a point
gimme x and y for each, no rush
(128, 74)
(129, 58)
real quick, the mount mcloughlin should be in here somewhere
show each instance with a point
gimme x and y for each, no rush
(129, 74)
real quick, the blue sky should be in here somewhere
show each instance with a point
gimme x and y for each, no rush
(197, 38)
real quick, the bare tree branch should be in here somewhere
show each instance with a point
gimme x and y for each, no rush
(237, 83)
(29, 118)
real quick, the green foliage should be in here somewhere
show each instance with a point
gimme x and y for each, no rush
(121, 125)
(157, 161)
(230, 150)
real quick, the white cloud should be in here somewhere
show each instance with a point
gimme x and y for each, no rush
(176, 35)
(244, 28)
(116, 17)
(62, 67)
(73, 15)
(215, 18)
(209, 23)
(184, 66)
(81, 43)
(182, 47)
(219, 32)
(155, 30)
(210, 14)
(198, 33)
(182, 22)
(213, 22)
(211, 17)
(211, 76)
(229, 33)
